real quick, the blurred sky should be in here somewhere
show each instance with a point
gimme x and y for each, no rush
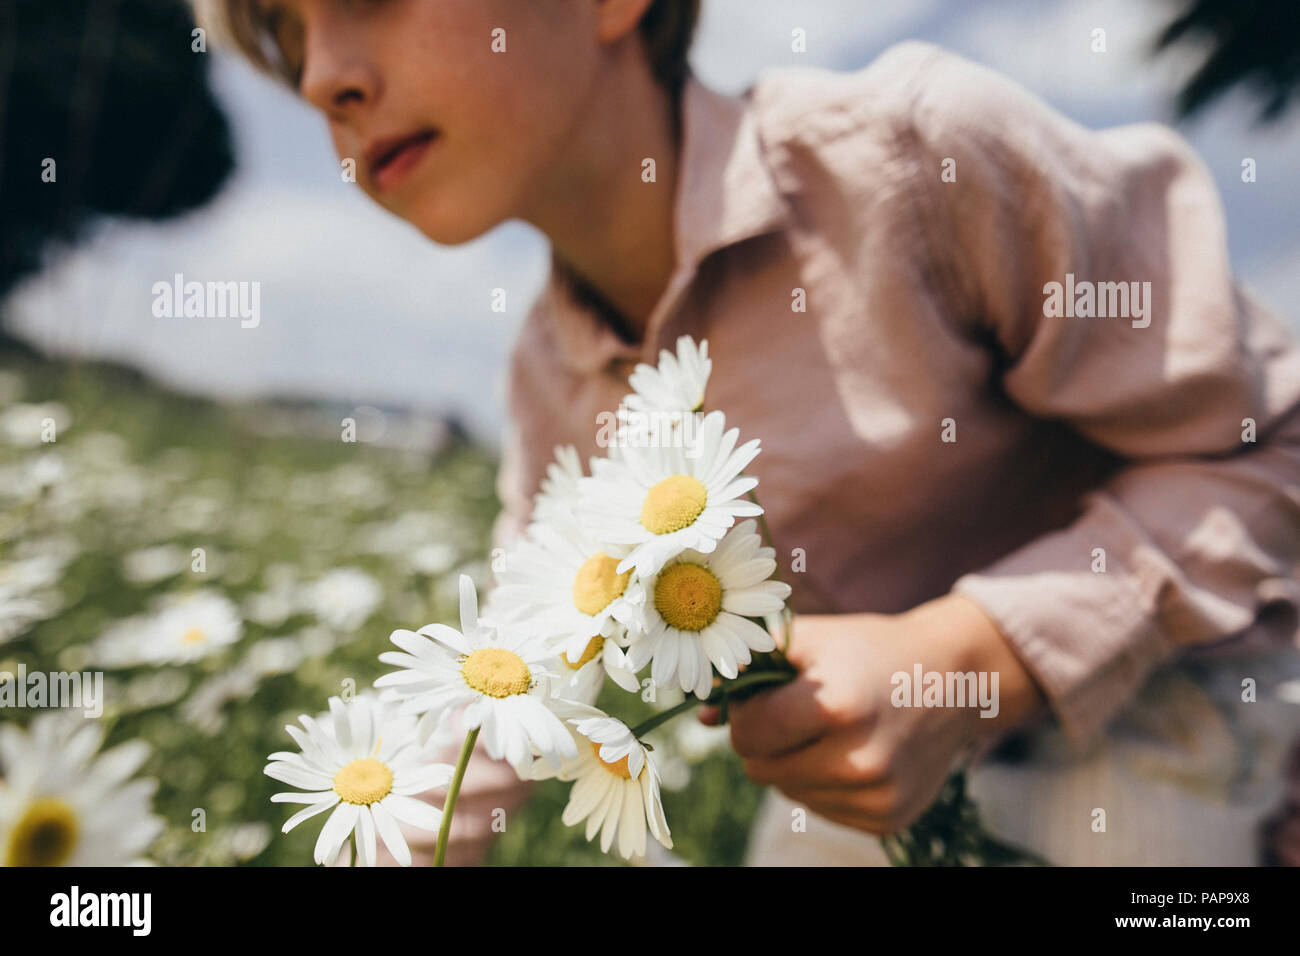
(358, 308)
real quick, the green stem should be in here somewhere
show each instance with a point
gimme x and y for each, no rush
(752, 679)
(453, 791)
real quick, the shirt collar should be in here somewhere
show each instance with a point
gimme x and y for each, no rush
(725, 194)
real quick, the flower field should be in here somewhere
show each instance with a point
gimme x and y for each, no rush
(227, 576)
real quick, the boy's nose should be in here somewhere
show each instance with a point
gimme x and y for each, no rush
(337, 81)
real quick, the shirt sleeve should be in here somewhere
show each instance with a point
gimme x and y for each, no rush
(1195, 385)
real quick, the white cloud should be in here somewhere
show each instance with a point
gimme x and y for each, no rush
(739, 38)
(1048, 47)
(1277, 284)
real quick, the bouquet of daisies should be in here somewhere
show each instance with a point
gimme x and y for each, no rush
(655, 558)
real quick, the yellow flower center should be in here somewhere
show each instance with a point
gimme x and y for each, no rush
(597, 583)
(364, 781)
(618, 768)
(673, 504)
(194, 636)
(688, 596)
(44, 835)
(496, 672)
(588, 653)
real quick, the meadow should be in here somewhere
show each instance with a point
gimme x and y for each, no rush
(308, 551)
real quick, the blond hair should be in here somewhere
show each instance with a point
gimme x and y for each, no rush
(666, 30)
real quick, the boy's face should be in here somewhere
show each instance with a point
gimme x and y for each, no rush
(445, 132)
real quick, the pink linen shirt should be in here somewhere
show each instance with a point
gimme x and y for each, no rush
(869, 257)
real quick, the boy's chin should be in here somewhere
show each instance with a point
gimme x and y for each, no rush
(447, 226)
(456, 233)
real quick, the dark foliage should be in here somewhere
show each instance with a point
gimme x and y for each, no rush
(113, 93)
(1255, 43)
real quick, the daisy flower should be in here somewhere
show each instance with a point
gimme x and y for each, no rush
(582, 680)
(64, 804)
(360, 760)
(567, 588)
(28, 593)
(559, 490)
(146, 566)
(344, 598)
(663, 398)
(497, 681)
(697, 617)
(677, 385)
(22, 577)
(658, 501)
(616, 786)
(182, 630)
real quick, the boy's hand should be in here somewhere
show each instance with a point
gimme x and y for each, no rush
(832, 741)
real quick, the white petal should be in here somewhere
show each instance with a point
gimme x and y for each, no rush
(468, 604)
(415, 812)
(308, 812)
(297, 776)
(391, 834)
(342, 726)
(613, 814)
(756, 637)
(335, 831)
(365, 837)
(316, 797)
(631, 828)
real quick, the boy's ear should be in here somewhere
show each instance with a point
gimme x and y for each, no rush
(615, 19)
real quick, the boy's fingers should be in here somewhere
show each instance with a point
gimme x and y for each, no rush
(809, 634)
(845, 813)
(805, 635)
(828, 764)
(778, 720)
(709, 715)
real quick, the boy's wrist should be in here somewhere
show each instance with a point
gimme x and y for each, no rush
(968, 640)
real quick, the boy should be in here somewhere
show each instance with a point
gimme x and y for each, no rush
(1078, 498)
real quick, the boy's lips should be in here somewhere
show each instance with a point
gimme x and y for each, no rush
(391, 159)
